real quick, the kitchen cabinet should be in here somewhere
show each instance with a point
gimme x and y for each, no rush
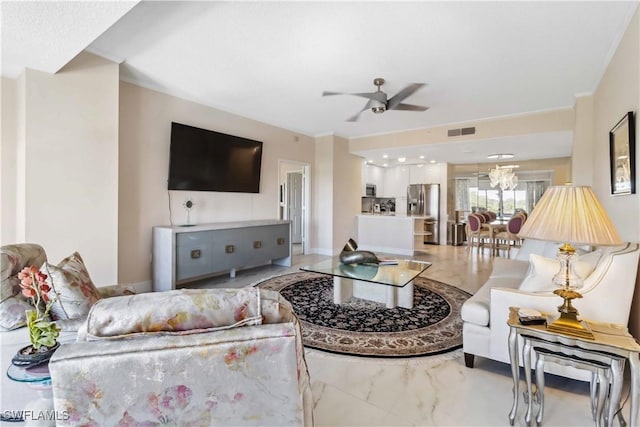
(396, 180)
(373, 175)
(433, 173)
(418, 174)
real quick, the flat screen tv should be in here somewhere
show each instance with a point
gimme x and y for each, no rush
(204, 160)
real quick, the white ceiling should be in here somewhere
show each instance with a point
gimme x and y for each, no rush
(271, 61)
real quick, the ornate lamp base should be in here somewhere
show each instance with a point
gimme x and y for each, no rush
(568, 322)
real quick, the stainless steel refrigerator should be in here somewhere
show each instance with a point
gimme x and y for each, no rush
(424, 200)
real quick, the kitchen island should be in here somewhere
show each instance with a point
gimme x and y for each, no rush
(394, 234)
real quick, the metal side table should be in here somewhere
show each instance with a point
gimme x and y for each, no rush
(606, 379)
(609, 340)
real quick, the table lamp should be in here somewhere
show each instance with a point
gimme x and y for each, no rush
(573, 215)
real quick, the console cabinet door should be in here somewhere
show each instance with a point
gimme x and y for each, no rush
(266, 243)
(278, 241)
(227, 250)
(193, 254)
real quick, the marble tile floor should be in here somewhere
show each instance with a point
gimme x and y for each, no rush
(423, 391)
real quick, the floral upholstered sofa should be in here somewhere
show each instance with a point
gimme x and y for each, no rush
(185, 357)
(69, 279)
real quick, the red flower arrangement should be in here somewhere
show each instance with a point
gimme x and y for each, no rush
(42, 332)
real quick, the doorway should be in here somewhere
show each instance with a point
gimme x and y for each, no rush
(293, 185)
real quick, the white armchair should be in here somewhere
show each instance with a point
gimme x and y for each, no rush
(607, 296)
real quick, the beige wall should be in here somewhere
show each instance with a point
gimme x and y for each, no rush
(559, 167)
(525, 124)
(583, 142)
(8, 160)
(322, 209)
(145, 126)
(336, 194)
(66, 151)
(346, 193)
(618, 93)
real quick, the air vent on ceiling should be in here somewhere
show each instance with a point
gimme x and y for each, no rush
(461, 131)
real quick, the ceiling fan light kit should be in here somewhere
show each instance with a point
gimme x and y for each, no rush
(378, 102)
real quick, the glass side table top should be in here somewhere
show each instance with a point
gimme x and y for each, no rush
(391, 275)
(38, 374)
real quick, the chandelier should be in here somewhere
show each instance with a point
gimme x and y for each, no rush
(504, 177)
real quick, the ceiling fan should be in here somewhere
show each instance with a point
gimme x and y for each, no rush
(378, 102)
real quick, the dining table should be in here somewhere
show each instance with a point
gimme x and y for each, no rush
(494, 227)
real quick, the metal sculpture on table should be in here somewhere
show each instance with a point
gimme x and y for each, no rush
(351, 255)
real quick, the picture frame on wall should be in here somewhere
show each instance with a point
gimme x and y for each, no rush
(622, 155)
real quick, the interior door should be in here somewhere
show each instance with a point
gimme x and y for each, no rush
(294, 198)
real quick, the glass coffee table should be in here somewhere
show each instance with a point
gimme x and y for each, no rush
(388, 284)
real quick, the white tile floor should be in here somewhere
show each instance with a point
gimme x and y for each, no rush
(424, 391)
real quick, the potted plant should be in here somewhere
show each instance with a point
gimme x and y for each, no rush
(43, 333)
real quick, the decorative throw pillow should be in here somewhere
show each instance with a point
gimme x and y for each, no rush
(12, 303)
(12, 312)
(71, 282)
(542, 270)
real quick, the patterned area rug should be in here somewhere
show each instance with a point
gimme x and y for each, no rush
(367, 328)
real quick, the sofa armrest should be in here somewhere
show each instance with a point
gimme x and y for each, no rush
(501, 300)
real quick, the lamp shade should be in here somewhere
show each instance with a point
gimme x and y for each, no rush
(570, 214)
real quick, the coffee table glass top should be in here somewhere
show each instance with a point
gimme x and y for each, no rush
(392, 275)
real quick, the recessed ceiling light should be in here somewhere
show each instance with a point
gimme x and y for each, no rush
(432, 161)
(500, 156)
(402, 159)
(385, 156)
(385, 165)
(422, 157)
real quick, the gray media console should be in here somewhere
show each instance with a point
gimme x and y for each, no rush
(185, 254)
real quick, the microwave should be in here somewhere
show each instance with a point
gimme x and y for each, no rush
(371, 190)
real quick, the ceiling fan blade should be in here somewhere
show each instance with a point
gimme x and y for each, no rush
(404, 93)
(356, 116)
(368, 95)
(329, 93)
(409, 107)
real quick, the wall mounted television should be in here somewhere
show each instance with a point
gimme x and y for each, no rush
(205, 160)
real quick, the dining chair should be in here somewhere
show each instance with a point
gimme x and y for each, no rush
(509, 238)
(477, 235)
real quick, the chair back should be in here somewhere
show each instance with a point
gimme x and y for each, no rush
(474, 222)
(492, 215)
(515, 224)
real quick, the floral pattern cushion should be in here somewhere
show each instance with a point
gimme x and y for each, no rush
(251, 372)
(13, 304)
(231, 377)
(182, 311)
(75, 290)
